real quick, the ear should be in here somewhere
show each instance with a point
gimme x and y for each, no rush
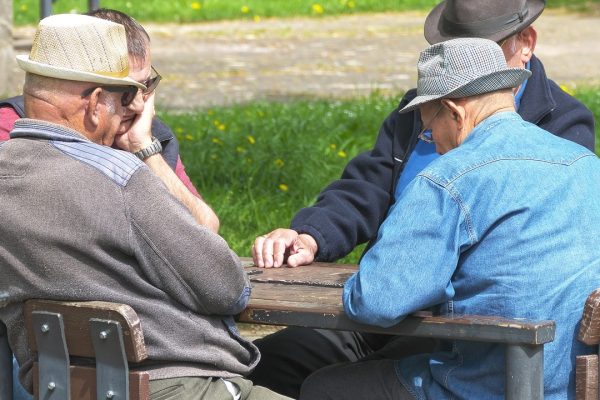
(528, 39)
(457, 111)
(92, 109)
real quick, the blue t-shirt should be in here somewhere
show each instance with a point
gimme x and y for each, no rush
(424, 153)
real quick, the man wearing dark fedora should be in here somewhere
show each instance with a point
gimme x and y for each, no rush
(349, 211)
(491, 238)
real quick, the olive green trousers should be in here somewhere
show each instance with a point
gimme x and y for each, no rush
(199, 388)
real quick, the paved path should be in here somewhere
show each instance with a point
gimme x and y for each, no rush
(238, 61)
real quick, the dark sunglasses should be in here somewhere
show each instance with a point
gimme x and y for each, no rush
(151, 83)
(129, 92)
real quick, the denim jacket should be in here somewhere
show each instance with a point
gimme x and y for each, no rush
(503, 227)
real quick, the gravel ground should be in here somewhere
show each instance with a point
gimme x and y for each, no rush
(347, 56)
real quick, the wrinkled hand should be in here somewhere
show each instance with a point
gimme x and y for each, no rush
(281, 245)
(139, 135)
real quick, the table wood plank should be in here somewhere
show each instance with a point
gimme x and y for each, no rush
(311, 296)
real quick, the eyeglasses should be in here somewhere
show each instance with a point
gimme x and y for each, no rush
(425, 134)
(129, 92)
(151, 83)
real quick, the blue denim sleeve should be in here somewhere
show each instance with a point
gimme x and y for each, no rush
(411, 264)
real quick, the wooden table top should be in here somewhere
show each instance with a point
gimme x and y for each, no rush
(311, 296)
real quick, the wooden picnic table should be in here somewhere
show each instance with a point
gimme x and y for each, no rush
(311, 296)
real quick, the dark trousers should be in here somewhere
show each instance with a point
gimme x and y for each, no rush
(359, 380)
(289, 356)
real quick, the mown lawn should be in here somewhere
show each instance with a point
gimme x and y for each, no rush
(27, 11)
(258, 163)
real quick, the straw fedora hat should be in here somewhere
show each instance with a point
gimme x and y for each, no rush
(490, 19)
(462, 68)
(80, 48)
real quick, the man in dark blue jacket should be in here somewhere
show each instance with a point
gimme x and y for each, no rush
(349, 211)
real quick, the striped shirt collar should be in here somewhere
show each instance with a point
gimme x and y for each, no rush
(38, 129)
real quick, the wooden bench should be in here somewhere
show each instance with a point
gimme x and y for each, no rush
(83, 350)
(586, 368)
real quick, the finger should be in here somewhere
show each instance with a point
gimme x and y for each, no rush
(301, 257)
(279, 249)
(267, 252)
(257, 251)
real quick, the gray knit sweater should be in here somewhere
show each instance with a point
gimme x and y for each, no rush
(81, 221)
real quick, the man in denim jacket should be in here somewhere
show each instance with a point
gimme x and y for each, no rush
(502, 228)
(350, 210)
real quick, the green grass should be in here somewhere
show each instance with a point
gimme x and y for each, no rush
(240, 157)
(591, 98)
(27, 11)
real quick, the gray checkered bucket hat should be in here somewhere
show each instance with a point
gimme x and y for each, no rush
(462, 68)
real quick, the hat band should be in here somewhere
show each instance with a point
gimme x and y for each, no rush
(119, 74)
(486, 27)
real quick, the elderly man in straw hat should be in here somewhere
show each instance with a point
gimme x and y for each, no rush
(87, 221)
(349, 211)
(140, 69)
(499, 229)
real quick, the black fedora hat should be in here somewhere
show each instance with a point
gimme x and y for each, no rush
(488, 19)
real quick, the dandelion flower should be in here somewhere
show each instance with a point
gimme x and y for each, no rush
(221, 127)
(342, 154)
(566, 89)
(251, 139)
(333, 146)
(279, 163)
(317, 8)
(245, 9)
(196, 6)
(283, 187)
(256, 18)
(189, 137)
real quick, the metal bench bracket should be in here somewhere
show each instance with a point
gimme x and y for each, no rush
(53, 357)
(112, 371)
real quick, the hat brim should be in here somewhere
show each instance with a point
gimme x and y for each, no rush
(72, 75)
(434, 33)
(497, 80)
